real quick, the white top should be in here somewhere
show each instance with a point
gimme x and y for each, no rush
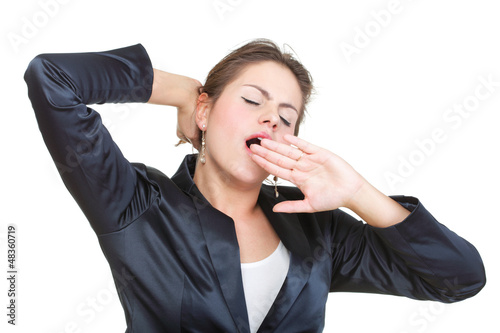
(262, 280)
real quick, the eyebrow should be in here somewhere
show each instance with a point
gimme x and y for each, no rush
(268, 96)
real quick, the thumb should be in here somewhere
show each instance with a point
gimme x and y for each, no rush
(295, 206)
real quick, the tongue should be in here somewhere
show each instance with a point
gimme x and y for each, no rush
(253, 141)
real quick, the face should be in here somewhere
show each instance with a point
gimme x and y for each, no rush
(264, 101)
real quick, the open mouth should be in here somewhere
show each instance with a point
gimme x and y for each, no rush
(256, 139)
(253, 141)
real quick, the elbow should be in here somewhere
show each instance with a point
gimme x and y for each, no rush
(36, 78)
(48, 86)
(464, 275)
(35, 72)
(464, 286)
(43, 74)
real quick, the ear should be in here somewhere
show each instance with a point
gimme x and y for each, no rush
(203, 107)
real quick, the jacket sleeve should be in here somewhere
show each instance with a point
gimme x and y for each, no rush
(60, 86)
(417, 258)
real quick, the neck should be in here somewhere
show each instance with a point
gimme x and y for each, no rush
(225, 193)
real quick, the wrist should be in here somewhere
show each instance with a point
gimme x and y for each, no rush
(358, 201)
(375, 208)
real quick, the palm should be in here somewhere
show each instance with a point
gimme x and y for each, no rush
(326, 180)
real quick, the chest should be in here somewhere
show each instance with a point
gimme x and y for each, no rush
(182, 265)
(256, 237)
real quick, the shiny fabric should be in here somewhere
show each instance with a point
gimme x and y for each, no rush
(175, 259)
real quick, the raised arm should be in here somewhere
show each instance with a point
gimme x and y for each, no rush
(401, 249)
(92, 167)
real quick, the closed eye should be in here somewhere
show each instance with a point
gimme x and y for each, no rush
(249, 101)
(286, 122)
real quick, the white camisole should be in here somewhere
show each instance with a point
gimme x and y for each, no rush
(262, 280)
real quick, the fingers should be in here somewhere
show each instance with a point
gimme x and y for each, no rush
(282, 154)
(277, 156)
(303, 145)
(272, 168)
(284, 160)
(281, 159)
(282, 149)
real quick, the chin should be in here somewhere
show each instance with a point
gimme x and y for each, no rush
(247, 172)
(236, 165)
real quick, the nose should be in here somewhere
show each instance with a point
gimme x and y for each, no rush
(270, 117)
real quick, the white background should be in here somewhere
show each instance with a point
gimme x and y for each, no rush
(370, 108)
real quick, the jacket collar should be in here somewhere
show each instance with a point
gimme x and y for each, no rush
(220, 235)
(287, 226)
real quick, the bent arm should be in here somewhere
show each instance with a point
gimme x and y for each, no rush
(417, 258)
(92, 167)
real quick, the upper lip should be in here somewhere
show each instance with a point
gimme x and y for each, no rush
(260, 135)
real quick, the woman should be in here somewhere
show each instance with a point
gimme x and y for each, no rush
(212, 249)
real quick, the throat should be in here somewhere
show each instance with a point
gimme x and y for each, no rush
(223, 192)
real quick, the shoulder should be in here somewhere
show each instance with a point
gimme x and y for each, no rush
(151, 175)
(164, 186)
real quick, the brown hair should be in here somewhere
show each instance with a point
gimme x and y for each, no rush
(253, 52)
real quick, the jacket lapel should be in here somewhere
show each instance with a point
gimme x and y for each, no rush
(222, 243)
(290, 232)
(223, 248)
(220, 235)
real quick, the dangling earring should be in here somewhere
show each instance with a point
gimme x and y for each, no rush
(275, 178)
(202, 152)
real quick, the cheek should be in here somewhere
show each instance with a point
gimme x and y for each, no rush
(228, 121)
(224, 120)
(292, 129)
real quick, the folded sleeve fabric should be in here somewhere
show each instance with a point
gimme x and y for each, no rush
(419, 258)
(92, 167)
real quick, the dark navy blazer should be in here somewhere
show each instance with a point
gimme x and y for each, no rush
(175, 259)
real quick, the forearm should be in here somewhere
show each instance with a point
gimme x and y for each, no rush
(418, 258)
(172, 89)
(377, 209)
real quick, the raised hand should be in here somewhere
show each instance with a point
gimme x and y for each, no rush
(326, 180)
(181, 92)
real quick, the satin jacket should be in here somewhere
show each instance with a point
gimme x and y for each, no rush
(175, 258)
